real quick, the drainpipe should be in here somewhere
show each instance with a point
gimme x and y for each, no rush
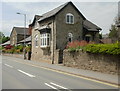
(53, 44)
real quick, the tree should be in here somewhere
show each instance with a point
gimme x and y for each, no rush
(100, 36)
(113, 34)
(1, 35)
(3, 38)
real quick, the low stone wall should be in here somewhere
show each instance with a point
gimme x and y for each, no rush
(14, 55)
(96, 62)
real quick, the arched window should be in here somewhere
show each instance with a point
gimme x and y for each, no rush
(36, 40)
(69, 18)
(70, 37)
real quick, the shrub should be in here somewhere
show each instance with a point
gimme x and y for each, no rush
(28, 48)
(20, 47)
(8, 46)
(113, 49)
(76, 45)
(17, 51)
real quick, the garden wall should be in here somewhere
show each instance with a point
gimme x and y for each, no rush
(96, 62)
(14, 55)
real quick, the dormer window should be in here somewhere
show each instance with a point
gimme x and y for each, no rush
(69, 18)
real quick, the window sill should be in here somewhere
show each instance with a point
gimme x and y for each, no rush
(70, 23)
(44, 47)
(36, 46)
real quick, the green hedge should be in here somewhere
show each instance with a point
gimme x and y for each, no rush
(113, 49)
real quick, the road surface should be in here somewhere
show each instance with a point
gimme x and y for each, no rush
(17, 74)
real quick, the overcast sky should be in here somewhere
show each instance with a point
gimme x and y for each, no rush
(100, 13)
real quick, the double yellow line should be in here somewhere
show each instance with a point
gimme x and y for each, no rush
(70, 74)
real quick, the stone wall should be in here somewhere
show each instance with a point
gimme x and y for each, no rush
(95, 62)
(14, 55)
(62, 28)
(39, 53)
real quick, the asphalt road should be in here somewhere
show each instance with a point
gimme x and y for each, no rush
(17, 75)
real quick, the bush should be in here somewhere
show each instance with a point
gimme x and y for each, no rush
(28, 48)
(113, 49)
(20, 47)
(8, 46)
(91, 47)
(77, 45)
(13, 49)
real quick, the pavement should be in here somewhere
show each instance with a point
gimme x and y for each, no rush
(80, 72)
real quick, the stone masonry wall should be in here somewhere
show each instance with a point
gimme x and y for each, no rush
(95, 62)
(14, 55)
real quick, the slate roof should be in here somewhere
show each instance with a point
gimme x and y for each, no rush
(36, 17)
(6, 43)
(118, 25)
(20, 30)
(90, 26)
(28, 39)
(56, 10)
(87, 24)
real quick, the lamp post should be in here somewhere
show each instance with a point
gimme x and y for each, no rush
(24, 25)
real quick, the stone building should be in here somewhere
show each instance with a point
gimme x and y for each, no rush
(17, 34)
(53, 30)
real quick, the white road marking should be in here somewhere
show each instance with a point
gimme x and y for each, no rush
(26, 73)
(50, 86)
(8, 65)
(58, 85)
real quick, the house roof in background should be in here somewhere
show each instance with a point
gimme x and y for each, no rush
(90, 26)
(56, 10)
(20, 30)
(6, 43)
(28, 39)
(118, 25)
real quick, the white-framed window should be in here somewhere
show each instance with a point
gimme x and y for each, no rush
(45, 40)
(36, 40)
(69, 18)
(70, 37)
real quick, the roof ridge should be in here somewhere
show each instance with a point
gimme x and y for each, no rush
(20, 27)
(57, 7)
(53, 11)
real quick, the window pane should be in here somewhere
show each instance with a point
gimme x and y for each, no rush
(41, 41)
(48, 35)
(36, 43)
(48, 41)
(45, 41)
(67, 18)
(71, 19)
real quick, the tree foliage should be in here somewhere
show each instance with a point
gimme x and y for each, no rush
(3, 38)
(113, 49)
(113, 34)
